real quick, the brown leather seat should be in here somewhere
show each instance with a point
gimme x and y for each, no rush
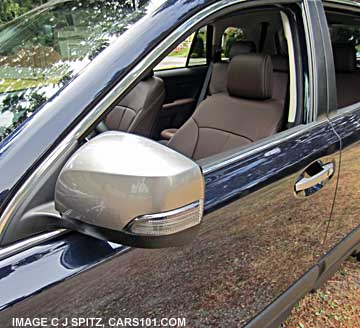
(167, 134)
(347, 76)
(137, 112)
(280, 76)
(225, 121)
(218, 79)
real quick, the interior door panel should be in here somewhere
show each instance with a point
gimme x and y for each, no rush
(182, 87)
(182, 82)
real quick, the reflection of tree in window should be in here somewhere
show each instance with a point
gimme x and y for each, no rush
(43, 51)
(349, 34)
(345, 34)
(231, 35)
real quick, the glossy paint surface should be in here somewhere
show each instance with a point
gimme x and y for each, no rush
(256, 239)
(247, 253)
(51, 262)
(37, 136)
(346, 215)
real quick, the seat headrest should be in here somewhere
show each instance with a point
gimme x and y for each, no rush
(280, 63)
(344, 57)
(250, 76)
(241, 47)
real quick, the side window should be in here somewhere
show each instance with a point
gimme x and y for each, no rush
(190, 52)
(231, 35)
(347, 34)
(345, 37)
(198, 50)
(42, 53)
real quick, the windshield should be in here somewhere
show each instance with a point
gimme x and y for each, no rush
(43, 50)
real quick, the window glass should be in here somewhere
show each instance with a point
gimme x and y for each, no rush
(198, 53)
(350, 34)
(345, 37)
(178, 57)
(231, 35)
(43, 50)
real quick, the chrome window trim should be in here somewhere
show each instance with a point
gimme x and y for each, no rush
(113, 95)
(292, 68)
(29, 242)
(222, 160)
(343, 111)
(312, 97)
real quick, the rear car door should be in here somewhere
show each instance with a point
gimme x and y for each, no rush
(344, 33)
(267, 208)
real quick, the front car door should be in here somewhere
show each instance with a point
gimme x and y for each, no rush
(264, 229)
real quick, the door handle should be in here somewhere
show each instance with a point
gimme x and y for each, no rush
(325, 174)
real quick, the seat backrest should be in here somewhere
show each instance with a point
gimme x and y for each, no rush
(136, 113)
(347, 76)
(227, 120)
(219, 72)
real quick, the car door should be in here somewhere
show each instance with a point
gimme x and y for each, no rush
(257, 238)
(267, 208)
(345, 119)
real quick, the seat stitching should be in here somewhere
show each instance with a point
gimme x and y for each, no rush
(264, 75)
(227, 139)
(126, 107)
(197, 138)
(231, 132)
(122, 116)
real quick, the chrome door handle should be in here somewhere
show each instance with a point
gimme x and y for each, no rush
(325, 174)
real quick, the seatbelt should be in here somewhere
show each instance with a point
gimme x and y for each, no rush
(263, 34)
(206, 84)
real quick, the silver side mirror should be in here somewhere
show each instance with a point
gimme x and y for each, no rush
(131, 190)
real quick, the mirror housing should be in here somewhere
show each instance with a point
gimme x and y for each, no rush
(131, 190)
